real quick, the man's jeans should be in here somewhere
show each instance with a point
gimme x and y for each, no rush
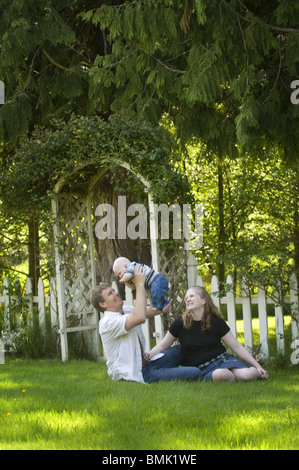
(167, 368)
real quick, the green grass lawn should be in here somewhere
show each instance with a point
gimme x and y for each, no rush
(53, 405)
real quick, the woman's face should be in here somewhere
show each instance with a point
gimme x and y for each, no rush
(193, 300)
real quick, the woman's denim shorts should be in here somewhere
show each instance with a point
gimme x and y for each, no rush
(226, 361)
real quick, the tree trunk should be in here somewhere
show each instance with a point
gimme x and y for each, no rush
(34, 252)
(221, 230)
(109, 249)
(296, 224)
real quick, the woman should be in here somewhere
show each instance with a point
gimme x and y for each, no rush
(201, 331)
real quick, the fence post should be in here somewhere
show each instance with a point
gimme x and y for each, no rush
(215, 291)
(29, 300)
(41, 305)
(18, 302)
(2, 353)
(191, 271)
(6, 297)
(60, 284)
(231, 308)
(294, 304)
(263, 321)
(246, 307)
(53, 304)
(279, 322)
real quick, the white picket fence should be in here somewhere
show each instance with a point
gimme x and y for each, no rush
(46, 305)
(261, 299)
(194, 279)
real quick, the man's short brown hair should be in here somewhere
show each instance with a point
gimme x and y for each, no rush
(96, 296)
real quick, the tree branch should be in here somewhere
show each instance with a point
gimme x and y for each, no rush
(273, 28)
(62, 67)
(278, 73)
(168, 68)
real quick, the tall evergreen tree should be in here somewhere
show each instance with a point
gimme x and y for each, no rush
(46, 50)
(220, 70)
(45, 53)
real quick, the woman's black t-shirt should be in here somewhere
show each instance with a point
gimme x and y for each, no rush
(199, 347)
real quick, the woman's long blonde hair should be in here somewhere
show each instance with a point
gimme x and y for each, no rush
(210, 310)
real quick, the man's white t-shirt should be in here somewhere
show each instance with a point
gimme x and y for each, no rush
(122, 348)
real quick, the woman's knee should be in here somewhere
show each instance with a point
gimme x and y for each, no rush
(223, 375)
(246, 375)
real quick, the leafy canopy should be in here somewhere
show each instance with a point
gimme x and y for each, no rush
(222, 70)
(79, 147)
(45, 52)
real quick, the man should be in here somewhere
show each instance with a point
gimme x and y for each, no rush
(124, 342)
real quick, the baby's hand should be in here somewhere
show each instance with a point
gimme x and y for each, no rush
(126, 278)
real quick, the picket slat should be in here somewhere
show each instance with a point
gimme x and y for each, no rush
(294, 304)
(231, 307)
(6, 303)
(41, 305)
(262, 310)
(247, 316)
(215, 291)
(29, 300)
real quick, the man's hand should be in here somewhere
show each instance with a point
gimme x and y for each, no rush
(139, 275)
(139, 314)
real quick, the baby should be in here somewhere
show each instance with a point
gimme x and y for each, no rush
(155, 282)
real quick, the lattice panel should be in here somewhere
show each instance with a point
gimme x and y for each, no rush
(75, 254)
(174, 268)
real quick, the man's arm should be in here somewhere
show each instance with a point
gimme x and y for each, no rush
(140, 308)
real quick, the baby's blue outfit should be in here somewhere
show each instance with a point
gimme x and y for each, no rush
(157, 289)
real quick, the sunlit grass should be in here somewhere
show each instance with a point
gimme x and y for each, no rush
(50, 405)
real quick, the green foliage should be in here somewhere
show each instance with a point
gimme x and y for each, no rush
(258, 206)
(223, 62)
(219, 71)
(43, 62)
(81, 142)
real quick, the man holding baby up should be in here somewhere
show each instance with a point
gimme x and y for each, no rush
(124, 342)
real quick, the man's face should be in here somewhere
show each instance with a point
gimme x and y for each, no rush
(112, 300)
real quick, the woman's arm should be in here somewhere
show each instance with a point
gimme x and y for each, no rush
(166, 342)
(242, 353)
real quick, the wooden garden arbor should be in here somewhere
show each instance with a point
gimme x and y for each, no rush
(75, 253)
